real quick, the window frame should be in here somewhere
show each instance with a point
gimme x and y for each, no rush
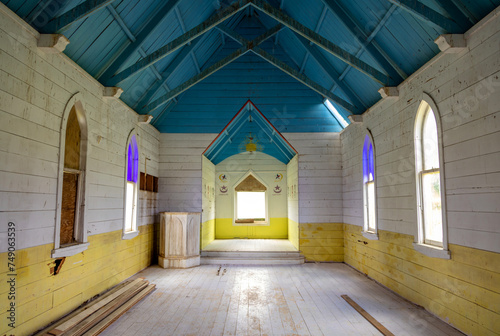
(80, 227)
(368, 232)
(235, 196)
(132, 139)
(423, 245)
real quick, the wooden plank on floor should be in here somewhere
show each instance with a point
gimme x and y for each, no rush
(367, 316)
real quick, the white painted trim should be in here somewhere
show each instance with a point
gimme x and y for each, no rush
(81, 217)
(69, 251)
(130, 235)
(426, 99)
(235, 212)
(375, 179)
(370, 235)
(432, 251)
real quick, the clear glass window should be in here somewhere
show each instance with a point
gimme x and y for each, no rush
(432, 217)
(251, 205)
(429, 179)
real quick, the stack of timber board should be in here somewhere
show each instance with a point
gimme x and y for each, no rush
(97, 315)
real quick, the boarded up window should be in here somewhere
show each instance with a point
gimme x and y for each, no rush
(72, 146)
(68, 208)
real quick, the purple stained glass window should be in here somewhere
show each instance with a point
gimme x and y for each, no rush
(132, 161)
(368, 161)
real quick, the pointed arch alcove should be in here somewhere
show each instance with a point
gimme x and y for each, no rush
(246, 188)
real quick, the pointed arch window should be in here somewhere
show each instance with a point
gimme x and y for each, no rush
(369, 187)
(71, 233)
(250, 202)
(131, 188)
(429, 181)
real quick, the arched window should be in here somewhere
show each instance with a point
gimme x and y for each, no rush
(131, 187)
(71, 235)
(250, 202)
(428, 162)
(369, 187)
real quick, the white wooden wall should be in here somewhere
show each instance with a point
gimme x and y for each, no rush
(180, 170)
(466, 89)
(208, 194)
(320, 176)
(292, 178)
(34, 91)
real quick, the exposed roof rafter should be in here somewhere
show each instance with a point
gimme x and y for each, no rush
(177, 43)
(145, 32)
(211, 69)
(77, 13)
(292, 72)
(322, 42)
(427, 14)
(366, 41)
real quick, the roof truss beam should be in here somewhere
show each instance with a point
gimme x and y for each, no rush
(77, 13)
(370, 45)
(418, 9)
(145, 32)
(210, 70)
(177, 43)
(322, 42)
(292, 72)
(176, 62)
(460, 17)
(330, 71)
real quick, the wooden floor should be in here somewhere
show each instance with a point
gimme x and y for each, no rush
(270, 300)
(257, 245)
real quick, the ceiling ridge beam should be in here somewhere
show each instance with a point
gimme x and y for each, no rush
(365, 40)
(322, 42)
(427, 14)
(77, 13)
(211, 69)
(177, 43)
(124, 55)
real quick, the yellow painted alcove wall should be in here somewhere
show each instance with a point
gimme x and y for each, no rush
(272, 173)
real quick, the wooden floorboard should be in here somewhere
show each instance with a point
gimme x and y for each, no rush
(270, 300)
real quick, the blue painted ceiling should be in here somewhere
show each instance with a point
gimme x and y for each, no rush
(249, 127)
(176, 59)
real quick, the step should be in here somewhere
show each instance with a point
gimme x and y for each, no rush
(251, 258)
(250, 254)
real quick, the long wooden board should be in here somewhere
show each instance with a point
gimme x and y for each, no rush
(367, 316)
(91, 309)
(101, 326)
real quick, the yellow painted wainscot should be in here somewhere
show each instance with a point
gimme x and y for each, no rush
(463, 291)
(278, 229)
(42, 297)
(322, 242)
(207, 233)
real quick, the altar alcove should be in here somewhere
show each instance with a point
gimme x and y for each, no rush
(250, 198)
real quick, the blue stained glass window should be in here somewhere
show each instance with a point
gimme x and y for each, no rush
(368, 161)
(132, 161)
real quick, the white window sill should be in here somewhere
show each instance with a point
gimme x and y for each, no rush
(69, 251)
(251, 224)
(370, 235)
(432, 251)
(130, 234)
